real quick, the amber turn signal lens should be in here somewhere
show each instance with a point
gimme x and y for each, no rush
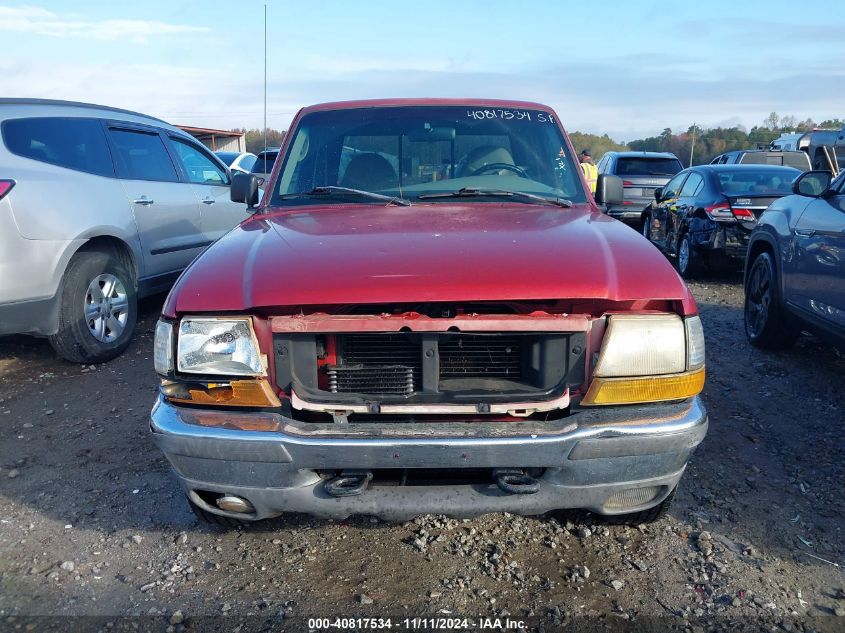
(252, 421)
(604, 391)
(238, 393)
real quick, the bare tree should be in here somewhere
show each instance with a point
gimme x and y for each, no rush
(771, 121)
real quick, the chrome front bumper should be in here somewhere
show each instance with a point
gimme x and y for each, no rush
(588, 458)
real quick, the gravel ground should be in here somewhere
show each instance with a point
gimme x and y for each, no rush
(93, 524)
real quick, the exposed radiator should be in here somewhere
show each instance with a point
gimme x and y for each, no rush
(397, 380)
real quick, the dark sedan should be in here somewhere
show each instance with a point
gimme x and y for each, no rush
(795, 272)
(705, 214)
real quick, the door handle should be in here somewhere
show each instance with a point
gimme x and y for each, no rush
(805, 232)
(144, 200)
(208, 200)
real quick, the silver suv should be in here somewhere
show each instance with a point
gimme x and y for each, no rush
(98, 207)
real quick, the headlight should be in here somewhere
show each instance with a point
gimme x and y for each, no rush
(642, 345)
(221, 347)
(648, 358)
(163, 348)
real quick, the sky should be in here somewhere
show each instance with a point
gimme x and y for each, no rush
(626, 69)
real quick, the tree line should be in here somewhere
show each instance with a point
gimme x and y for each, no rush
(709, 142)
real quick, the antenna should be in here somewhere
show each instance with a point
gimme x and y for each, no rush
(692, 146)
(265, 82)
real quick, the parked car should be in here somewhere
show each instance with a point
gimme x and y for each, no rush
(641, 173)
(238, 161)
(705, 214)
(796, 159)
(98, 206)
(787, 142)
(839, 150)
(795, 272)
(264, 162)
(454, 329)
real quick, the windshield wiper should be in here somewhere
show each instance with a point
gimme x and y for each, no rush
(474, 191)
(345, 191)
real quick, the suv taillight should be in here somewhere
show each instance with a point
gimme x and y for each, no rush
(5, 187)
(720, 212)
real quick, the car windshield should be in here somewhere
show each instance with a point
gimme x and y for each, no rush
(248, 162)
(412, 152)
(772, 181)
(264, 162)
(647, 166)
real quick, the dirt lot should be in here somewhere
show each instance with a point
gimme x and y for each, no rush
(93, 524)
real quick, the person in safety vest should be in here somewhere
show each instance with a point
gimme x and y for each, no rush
(591, 172)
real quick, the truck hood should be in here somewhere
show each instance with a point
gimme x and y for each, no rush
(365, 254)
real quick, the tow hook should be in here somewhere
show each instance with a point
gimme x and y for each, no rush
(515, 481)
(349, 483)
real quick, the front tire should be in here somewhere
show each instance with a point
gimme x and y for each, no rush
(98, 309)
(766, 326)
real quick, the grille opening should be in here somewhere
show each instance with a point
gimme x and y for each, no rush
(479, 356)
(432, 476)
(425, 368)
(377, 363)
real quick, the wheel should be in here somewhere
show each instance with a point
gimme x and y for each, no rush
(766, 326)
(646, 228)
(97, 310)
(689, 261)
(209, 518)
(643, 516)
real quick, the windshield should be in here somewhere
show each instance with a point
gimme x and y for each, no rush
(413, 151)
(770, 181)
(643, 166)
(247, 162)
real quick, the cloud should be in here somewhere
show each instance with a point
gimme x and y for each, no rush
(38, 21)
(608, 96)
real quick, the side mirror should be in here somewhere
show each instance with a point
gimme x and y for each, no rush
(812, 183)
(245, 189)
(657, 193)
(609, 190)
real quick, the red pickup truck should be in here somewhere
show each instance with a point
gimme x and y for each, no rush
(427, 313)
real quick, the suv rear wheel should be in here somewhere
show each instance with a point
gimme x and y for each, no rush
(98, 309)
(766, 325)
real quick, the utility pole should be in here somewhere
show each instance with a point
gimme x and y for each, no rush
(692, 147)
(265, 82)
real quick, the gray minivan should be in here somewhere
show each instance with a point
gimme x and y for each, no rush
(98, 207)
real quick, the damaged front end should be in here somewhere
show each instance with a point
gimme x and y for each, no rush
(454, 409)
(411, 364)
